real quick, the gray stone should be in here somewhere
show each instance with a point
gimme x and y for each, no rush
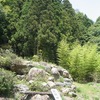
(72, 94)
(66, 90)
(65, 74)
(48, 69)
(31, 81)
(51, 79)
(51, 84)
(67, 80)
(40, 97)
(54, 71)
(68, 84)
(45, 97)
(59, 84)
(37, 97)
(20, 77)
(73, 87)
(60, 71)
(45, 85)
(36, 72)
(22, 87)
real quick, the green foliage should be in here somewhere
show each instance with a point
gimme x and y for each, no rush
(6, 82)
(37, 86)
(40, 67)
(96, 75)
(94, 33)
(43, 30)
(35, 58)
(63, 54)
(81, 61)
(7, 58)
(5, 62)
(31, 26)
(82, 25)
(89, 91)
(61, 79)
(3, 27)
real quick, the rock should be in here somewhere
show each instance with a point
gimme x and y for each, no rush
(67, 80)
(55, 73)
(20, 77)
(59, 84)
(45, 85)
(31, 81)
(36, 64)
(66, 90)
(20, 66)
(39, 97)
(51, 84)
(22, 87)
(61, 71)
(19, 69)
(28, 63)
(1, 98)
(53, 76)
(34, 72)
(46, 97)
(43, 63)
(51, 79)
(72, 94)
(65, 74)
(48, 69)
(73, 87)
(68, 84)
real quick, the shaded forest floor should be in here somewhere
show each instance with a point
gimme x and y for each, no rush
(89, 91)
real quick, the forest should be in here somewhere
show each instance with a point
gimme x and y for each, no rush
(52, 31)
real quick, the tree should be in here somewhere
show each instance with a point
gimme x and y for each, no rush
(94, 33)
(3, 27)
(82, 25)
(43, 30)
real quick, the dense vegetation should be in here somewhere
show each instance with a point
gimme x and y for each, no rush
(6, 82)
(52, 31)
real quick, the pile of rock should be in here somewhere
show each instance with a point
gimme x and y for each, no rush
(55, 77)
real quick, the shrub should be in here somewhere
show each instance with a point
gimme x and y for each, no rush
(36, 58)
(96, 75)
(6, 82)
(5, 62)
(63, 54)
(7, 58)
(81, 61)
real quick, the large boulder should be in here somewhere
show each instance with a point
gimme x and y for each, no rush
(55, 73)
(34, 72)
(21, 66)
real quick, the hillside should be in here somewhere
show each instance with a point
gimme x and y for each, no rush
(23, 76)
